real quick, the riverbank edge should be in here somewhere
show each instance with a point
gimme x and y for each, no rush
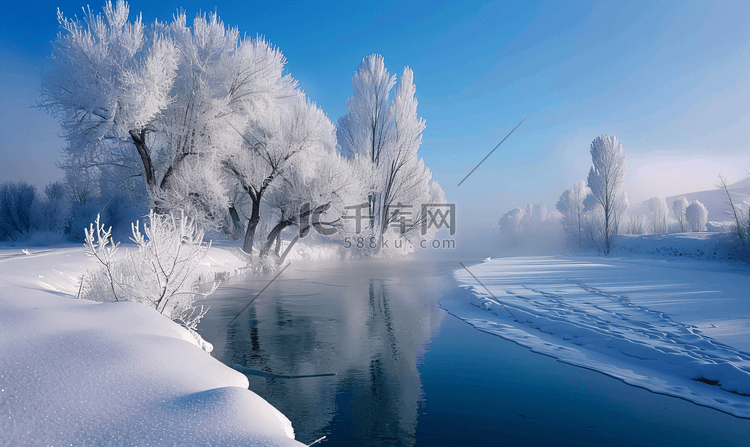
(469, 307)
(36, 279)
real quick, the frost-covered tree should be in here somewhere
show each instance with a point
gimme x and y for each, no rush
(286, 137)
(108, 78)
(572, 209)
(233, 224)
(527, 223)
(659, 211)
(313, 197)
(16, 200)
(51, 213)
(606, 178)
(636, 225)
(678, 209)
(510, 223)
(532, 217)
(316, 185)
(540, 213)
(696, 215)
(145, 102)
(382, 136)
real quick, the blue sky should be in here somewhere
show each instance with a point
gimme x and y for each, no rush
(670, 79)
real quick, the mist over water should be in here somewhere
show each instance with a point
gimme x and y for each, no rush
(358, 320)
(480, 240)
(409, 373)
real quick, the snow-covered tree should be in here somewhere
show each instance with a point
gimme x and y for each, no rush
(313, 197)
(16, 200)
(527, 223)
(107, 78)
(659, 211)
(383, 136)
(636, 225)
(510, 223)
(606, 178)
(696, 215)
(678, 208)
(145, 102)
(593, 225)
(540, 213)
(237, 198)
(572, 209)
(317, 183)
(287, 137)
(50, 214)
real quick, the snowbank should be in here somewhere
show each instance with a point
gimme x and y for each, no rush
(704, 245)
(85, 373)
(674, 326)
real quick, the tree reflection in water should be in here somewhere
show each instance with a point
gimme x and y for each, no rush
(366, 321)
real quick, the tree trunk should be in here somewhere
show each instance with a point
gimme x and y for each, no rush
(252, 223)
(139, 139)
(274, 236)
(236, 223)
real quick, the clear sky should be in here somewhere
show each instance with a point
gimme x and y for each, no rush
(669, 79)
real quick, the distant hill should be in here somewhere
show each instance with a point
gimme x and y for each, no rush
(715, 200)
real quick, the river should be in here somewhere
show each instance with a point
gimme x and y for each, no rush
(360, 352)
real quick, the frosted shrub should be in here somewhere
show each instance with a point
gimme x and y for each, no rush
(697, 216)
(160, 272)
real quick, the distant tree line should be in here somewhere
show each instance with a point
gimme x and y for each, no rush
(593, 212)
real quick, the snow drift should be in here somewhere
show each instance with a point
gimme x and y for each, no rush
(85, 373)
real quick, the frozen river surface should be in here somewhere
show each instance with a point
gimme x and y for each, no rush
(361, 352)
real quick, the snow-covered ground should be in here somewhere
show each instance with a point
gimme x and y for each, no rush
(704, 245)
(660, 314)
(76, 372)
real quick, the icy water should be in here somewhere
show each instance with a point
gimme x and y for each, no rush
(361, 352)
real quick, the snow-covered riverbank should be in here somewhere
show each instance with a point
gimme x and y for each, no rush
(665, 323)
(84, 373)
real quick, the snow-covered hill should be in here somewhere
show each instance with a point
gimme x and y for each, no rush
(715, 201)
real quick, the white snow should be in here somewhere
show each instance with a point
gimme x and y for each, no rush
(76, 372)
(653, 320)
(703, 245)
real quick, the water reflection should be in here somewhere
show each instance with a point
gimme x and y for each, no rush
(368, 322)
